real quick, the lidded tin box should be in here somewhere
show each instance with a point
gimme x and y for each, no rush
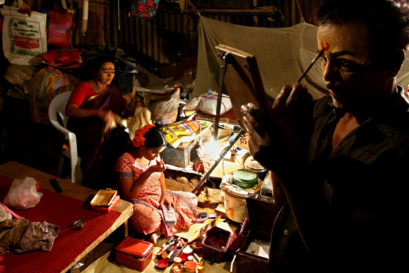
(245, 178)
(134, 253)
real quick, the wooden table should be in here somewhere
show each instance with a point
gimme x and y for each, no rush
(14, 169)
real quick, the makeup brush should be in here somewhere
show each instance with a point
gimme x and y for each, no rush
(319, 54)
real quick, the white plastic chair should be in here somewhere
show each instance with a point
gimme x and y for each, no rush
(56, 114)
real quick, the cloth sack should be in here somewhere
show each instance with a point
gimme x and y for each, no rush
(24, 37)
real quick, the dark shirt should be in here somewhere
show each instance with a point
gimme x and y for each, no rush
(353, 198)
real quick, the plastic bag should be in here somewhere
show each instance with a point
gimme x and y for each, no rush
(24, 37)
(164, 107)
(208, 104)
(4, 214)
(23, 194)
(64, 58)
(60, 26)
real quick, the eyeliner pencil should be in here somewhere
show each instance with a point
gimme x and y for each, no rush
(319, 54)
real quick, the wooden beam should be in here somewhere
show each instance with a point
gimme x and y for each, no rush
(258, 12)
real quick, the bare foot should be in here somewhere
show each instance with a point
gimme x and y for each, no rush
(154, 238)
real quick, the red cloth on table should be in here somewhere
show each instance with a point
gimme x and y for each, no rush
(60, 210)
(229, 115)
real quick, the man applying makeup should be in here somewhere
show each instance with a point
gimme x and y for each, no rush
(340, 161)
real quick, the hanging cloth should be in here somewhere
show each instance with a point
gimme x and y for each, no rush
(144, 8)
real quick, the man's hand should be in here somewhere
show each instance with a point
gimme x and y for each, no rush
(283, 132)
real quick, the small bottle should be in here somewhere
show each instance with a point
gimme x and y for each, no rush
(176, 269)
(200, 267)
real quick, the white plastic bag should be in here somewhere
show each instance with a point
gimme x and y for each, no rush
(193, 104)
(208, 104)
(24, 37)
(23, 194)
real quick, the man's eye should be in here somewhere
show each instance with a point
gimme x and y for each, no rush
(345, 63)
(350, 66)
(324, 59)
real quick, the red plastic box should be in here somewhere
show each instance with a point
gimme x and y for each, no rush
(134, 253)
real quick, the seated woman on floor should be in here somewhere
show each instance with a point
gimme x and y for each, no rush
(142, 181)
(91, 108)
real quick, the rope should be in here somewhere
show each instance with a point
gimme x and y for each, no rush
(188, 2)
(300, 11)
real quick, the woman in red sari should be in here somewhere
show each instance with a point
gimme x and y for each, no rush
(91, 108)
(142, 181)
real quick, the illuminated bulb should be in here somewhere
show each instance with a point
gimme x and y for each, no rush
(212, 149)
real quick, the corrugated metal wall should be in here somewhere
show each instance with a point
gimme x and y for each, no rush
(170, 35)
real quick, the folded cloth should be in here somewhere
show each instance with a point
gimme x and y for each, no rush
(4, 214)
(21, 235)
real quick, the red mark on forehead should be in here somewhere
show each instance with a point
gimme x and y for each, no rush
(325, 46)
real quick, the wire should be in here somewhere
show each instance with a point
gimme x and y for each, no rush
(300, 11)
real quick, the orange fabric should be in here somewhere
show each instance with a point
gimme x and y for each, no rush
(147, 220)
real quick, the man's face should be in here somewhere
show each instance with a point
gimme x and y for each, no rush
(348, 69)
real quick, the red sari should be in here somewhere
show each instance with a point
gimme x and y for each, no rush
(90, 131)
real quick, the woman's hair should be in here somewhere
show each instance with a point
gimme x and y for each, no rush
(96, 63)
(155, 138)
(387, 22)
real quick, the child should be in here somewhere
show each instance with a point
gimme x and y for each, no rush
(141, 181)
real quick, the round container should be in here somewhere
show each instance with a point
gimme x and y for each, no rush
(235, 203)
(197, 247)
(177, 261)
(255, 166)
(188, 250)
(245, 178)
(164, 255)
(190, 266)
(162, 264)
(183, 257)
(176, 269)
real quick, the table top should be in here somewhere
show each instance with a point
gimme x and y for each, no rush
(14, 169)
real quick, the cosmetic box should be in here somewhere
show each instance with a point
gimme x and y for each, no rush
(107, 208)
(180, 156)
(134, 253)
(103, 198)
(253, 256)
(220, 245)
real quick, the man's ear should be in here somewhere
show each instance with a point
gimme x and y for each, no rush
(395, 63)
